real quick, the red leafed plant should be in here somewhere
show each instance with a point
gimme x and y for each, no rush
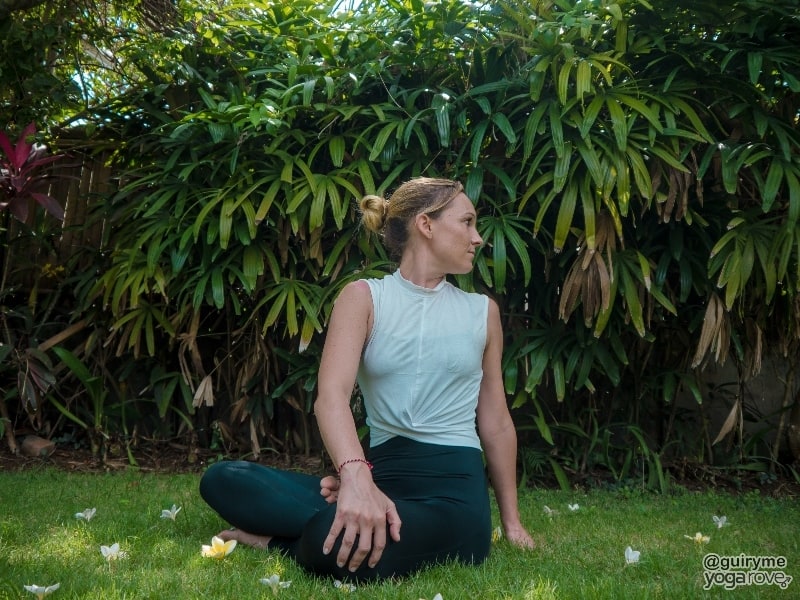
(22, 176)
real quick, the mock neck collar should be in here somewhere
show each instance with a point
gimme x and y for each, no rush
(418, 289)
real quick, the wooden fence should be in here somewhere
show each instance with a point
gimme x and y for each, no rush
(77, 185)
(76, 182)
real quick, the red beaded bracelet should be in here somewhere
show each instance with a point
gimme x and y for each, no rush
(354, 460)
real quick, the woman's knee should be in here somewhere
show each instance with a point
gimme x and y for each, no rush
(217, 478)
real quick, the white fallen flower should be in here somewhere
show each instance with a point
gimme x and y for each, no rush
(86, 515)
(274, 582)
(573, 507)
(345, 587)
(631, 556)
(170, 513)
(112, 552)
(40, 590)
(720, 522)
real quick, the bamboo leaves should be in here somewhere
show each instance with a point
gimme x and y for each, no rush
(440, 106)
(499, 232)
(599, 273)
(749, 241)
(289, 298)
(604, 158)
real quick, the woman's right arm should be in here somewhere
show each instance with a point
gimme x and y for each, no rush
(362, 510)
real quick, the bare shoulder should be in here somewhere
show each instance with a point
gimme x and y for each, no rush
(494, 308)
(348, 329)
(494, 328)
(493, 313)
(353, 304)
(355, 291)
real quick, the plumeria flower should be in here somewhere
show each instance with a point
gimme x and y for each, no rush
(631, 556)
(720, 522)
(436, 597)
(275, 583)
(86, 515)
(549, 511)
(170, 513)
(346, 587)
(112, 552)
(497, 534)
(698, 538)
(41, 591)
(573, 507)
(219, 548)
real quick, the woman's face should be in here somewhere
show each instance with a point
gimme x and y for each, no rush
(455, 237)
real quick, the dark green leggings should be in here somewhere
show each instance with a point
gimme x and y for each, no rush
(440, 492)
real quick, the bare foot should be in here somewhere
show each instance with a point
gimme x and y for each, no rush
(248, 539)
(329, 488)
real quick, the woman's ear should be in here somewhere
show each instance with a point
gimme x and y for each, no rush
(423, 223)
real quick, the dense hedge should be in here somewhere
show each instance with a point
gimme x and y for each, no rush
(634, 164)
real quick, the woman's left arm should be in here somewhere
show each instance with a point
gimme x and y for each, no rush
(497, 433)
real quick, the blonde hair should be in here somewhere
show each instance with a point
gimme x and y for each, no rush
(392, 218)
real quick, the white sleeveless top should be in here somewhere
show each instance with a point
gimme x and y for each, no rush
(421, 369)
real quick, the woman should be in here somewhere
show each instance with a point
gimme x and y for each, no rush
(426, 356)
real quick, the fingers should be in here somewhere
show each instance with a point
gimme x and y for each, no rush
(520, 538)
(364, 540)
(329, 489)
(369, 543)
(363, 514)
(348, 539)
(524, 542)
(365, 544)
(329, 483)
(329, 496)
(336, 528)
(351, 532)
(362, 536)
(378, 545)
(366, 537)
(393, 519)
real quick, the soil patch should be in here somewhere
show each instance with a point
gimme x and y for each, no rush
(162, 457)
(168, 457)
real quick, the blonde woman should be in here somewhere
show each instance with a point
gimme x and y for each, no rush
(426, 357)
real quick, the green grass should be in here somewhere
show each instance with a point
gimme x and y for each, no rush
(579, 555)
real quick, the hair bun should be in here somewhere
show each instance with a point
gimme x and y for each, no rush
(373, 212)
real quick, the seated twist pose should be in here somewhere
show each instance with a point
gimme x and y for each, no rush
(426, 357)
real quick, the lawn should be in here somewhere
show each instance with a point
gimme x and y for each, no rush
(580, 553)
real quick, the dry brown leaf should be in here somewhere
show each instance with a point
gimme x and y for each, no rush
(204, 396)
(730, 422)
(715, 335)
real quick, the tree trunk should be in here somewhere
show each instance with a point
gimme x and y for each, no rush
(8, 426)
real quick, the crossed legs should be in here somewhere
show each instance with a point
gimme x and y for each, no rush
(329, 490)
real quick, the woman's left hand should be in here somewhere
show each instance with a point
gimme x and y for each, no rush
(519, 536)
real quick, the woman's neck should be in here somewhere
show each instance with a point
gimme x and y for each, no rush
(420, 275)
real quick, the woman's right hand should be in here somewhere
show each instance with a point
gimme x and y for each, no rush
(362, 515)
(329, 488)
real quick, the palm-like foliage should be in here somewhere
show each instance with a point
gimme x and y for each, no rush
(633, 162)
